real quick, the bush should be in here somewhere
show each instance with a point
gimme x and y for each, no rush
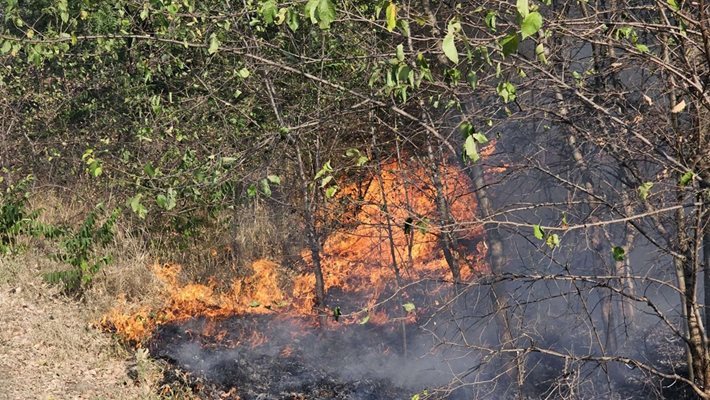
(79, 249)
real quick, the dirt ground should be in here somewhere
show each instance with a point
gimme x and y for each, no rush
(49, 348)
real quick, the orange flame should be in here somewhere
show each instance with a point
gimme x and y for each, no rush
(359, 260)
(356, 260)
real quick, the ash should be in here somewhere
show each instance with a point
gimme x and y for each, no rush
(267, 358)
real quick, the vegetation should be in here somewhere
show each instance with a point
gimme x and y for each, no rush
(193, 117)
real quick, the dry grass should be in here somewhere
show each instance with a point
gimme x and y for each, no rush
(228, 246)
(49, 346)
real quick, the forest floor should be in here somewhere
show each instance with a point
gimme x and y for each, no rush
(50, 349)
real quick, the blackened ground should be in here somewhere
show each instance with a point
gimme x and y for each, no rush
(290, 364)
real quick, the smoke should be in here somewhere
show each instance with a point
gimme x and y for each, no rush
(360, 361)
(551, 338)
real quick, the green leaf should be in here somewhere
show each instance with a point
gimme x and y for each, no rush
(269, 10)
(491, 20)
(531, 24)
(645, 189)
(325, 181)
(330, 192)
(400, 52)
(480, 138)
(244, 73)
(466, 128)
(149, 170)
(538, 232)
(686, 178)
(409, 307)
(404, 27)
(265, 188)
(15, 49)
(136, 206)
(391, 15)
(145, 12)
(618, 253)
(275, 179)
(310, 10)
(470, 149)
(352, 152)
(292, 20)
(326, 13)
(454, 26)
(674, 5)
(327, 168)
(506, 91)
(449, 48)
(364, 320)
(214, 44)
(540, 53)
(472, 79)
(62, 6)
(251, 191)
(642, 48)
(553, 241)
(523, 8)
(95, 168)
(281, 15)
(359, 158)
(6, 47)
(167, 202)
(161, 200)
(510, 44)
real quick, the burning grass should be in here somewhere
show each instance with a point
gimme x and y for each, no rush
(357, 261)
(387, 223)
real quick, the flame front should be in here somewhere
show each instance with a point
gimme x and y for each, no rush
(393, 212)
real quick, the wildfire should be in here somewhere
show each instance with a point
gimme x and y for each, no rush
(357, 260)
(256, 294)
(393, 212)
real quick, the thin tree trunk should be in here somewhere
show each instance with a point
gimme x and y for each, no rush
(446, 236)
(623, 268)
(311, 229)
(311, 232)
(390, 237)
(409, 222)
(684, 275)
(696, 336)
(496, 260)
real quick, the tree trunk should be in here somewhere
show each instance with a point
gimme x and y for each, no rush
(446, 234)
(496, 260)
(392, 246)
(311, 232)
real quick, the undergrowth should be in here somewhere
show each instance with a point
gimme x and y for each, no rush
(83, 249)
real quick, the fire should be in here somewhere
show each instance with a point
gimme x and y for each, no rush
(256, 294)
(358, 259)
(357, 262)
